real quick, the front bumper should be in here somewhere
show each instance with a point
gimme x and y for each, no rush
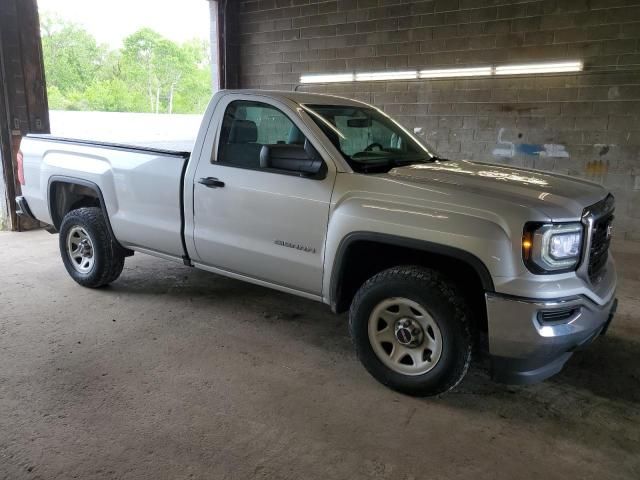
(530, 340)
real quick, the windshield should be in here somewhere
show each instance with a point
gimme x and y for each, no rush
(369, 140)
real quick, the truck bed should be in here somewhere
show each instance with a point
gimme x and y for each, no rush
(142, 187)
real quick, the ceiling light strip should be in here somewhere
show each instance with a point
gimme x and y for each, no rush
(531, 68)
(328, 78)
(375, 76)
(521, 69)
(456, 72)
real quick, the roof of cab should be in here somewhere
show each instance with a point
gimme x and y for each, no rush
(300, 97)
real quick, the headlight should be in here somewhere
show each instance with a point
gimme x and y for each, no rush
(552, 248)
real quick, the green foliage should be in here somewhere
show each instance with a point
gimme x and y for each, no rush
(148, 74)
(57, 101)
(71, 55)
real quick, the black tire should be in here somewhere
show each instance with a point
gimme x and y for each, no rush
(442, 302)
(108, 256)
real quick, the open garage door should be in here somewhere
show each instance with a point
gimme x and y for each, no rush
(23, 100)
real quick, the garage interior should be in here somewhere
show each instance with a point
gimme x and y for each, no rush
(172, 372)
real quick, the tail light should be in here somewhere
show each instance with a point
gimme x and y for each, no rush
(20, 162)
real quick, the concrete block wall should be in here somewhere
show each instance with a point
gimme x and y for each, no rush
(585, 124)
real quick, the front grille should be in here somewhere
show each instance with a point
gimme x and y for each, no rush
(601, 215)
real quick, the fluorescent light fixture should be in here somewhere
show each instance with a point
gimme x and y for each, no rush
(531, 68)
(456, 72)
(327, 78)
(521, 69)
(374, 76)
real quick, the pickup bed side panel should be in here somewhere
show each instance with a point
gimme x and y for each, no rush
(141, 190)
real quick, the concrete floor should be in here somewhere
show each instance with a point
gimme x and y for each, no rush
(175, 373)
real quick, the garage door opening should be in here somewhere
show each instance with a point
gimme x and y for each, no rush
(130, 72)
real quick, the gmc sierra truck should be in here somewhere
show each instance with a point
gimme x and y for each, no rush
(332, 200)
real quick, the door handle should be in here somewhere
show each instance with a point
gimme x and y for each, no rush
(211, 182)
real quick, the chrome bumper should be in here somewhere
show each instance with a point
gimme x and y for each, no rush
(530, 340)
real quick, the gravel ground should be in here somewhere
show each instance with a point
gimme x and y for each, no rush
(176, 373)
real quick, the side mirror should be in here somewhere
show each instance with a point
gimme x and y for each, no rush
(302, 159)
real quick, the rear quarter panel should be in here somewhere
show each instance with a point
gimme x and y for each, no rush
(141, 191)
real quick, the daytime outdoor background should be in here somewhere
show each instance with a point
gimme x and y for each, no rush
(155, 63)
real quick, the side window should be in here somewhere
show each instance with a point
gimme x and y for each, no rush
(247, 127)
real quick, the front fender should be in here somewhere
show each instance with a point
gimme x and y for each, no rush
(480, 241)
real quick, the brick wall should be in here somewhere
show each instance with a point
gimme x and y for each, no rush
(585, 124)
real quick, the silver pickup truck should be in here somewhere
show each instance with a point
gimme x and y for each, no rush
(330, 199)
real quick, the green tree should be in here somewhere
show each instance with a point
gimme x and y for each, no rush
(138, 64)
(72, 57)
(113, 95)
(194, 90)
(174, 77)
(149, 74)
(57, 101)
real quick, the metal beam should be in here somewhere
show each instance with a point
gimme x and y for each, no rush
(214, 43)
(226, 47)
(7, 192)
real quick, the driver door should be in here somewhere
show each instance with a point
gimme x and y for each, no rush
(261, 223)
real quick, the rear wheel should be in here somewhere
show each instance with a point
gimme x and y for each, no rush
(411, 330)
(89, 252)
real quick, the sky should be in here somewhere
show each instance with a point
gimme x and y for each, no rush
(110, 21)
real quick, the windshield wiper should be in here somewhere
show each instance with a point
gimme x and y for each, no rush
(402, 163)
(383, 164)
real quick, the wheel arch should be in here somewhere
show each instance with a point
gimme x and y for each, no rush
(68, 193)
(348, 274)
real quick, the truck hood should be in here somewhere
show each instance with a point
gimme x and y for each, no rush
(559, 197)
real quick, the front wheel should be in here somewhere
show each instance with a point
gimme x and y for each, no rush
(88, 250)
(411, 330)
